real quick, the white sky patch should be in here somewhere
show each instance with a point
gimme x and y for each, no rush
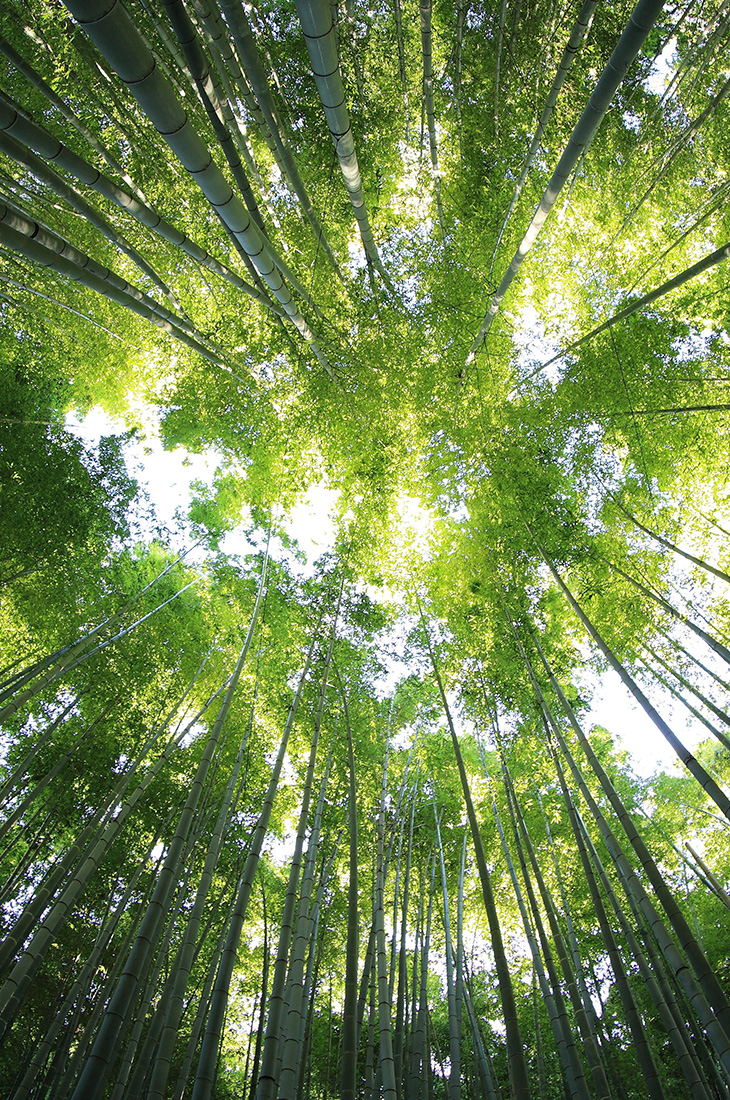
(356, 253)
(533, 347)
(412, 199)
(614, 708)
(663, 69)
(631, 121)
(312, 521)
(166, 475)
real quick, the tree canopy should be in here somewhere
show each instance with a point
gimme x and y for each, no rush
(285, 829)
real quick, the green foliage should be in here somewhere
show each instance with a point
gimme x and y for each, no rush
(463, 488)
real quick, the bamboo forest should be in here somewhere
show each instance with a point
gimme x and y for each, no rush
(425, 796)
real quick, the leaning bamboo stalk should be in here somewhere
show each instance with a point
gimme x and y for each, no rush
(205, 1074)
(664, 541)
(633, 1018)
(100, 1059)
(426, 48)
(578, 32)
(116, 37)
(385, 1060)
(39, 743)
(152, 983)
(240, 30)
(712, 642)
(44, 257)
(419, 1069)
(644, 910)
(707, 262)
(699, 982)
(50, 775)
(202, 1009)
(454, 1083)
(185, 955)
(315, 18)
(689, 686)
(65, 1070)
(47, 146)
(292, 1031)
(706, 781)
(75, 655)
(650, 970)
(268, 1086)
(401, 1014)
(598, 1073)
(485, 1074)
(642, 19)
(65, 1016)
(348, 1077)
(38, 82)
(218, 37)
(212, 100)
(14, 218)
(92, 839)
(61, 657)
(182, 966)
(34, 836)
(516, 1058)
(22, 155)
(717, 886)
(268, 1083)
(667, 160)
(549, 983)
(579, 968)
(718, 734)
